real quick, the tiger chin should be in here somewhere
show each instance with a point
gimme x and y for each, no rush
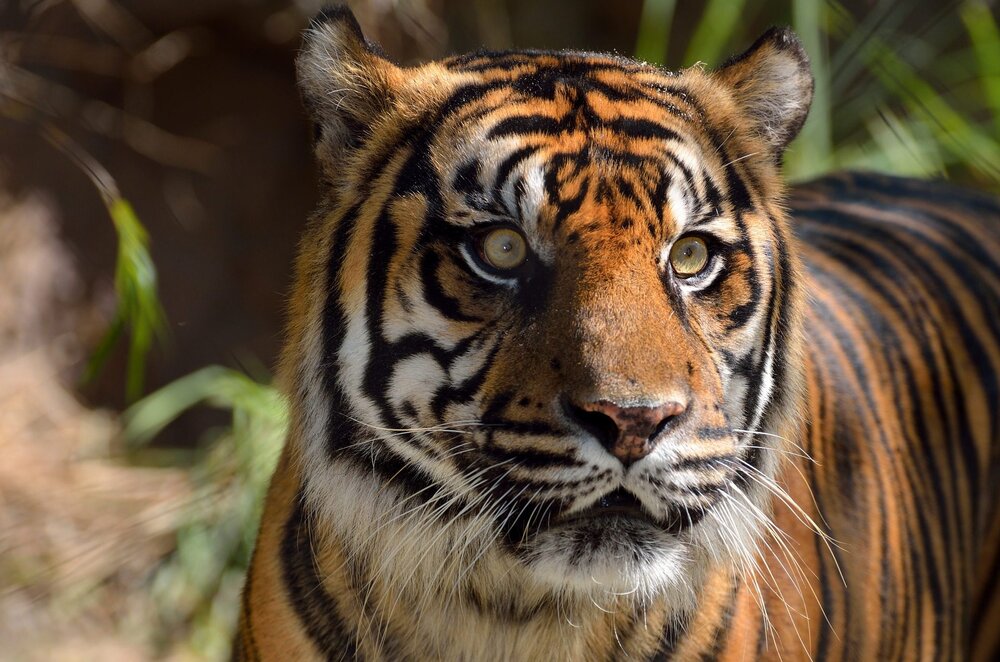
(556, 388)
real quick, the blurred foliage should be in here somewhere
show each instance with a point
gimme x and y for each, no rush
(197, 588)
(654, 29)
(902, 89)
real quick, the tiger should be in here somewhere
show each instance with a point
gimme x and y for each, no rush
(573, 375)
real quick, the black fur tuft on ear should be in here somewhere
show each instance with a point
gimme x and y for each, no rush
(342, 14)
(773, 85)
(332, 13)
(345, 80)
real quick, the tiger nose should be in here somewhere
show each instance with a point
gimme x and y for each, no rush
(629, 433)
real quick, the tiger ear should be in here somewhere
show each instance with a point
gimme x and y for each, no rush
(345, 80)
(773, 86)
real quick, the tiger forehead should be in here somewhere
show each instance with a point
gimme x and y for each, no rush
(538, 66)
(574, 177)
(573, 145)
(583, 94)
(568, 185)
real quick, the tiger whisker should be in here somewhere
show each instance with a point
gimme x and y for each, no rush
(425, 520)
(788, 441)
(445, 528)
(782, 451)
(432, 518)
(771, 486)
(499, 506)
(792, 557)
(431, 428)
(747, 563)
(740, 158)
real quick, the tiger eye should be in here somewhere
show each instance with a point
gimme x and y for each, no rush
(689, 256)
(503, 248)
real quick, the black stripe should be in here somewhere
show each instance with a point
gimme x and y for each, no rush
(955, 431)
(641, 129)
(864, 259)
(673, 633)
(434, 293)
(247, 646)
(505, 169)
(527, 124)
(465, 391)
(722, 630)
(753, 398)
(845, 442)
(315, 608)
(466, 179)
(785, 327)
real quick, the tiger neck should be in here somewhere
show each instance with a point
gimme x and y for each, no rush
(358, 601)
(343, 600)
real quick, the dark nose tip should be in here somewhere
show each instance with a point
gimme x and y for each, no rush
(629, 433)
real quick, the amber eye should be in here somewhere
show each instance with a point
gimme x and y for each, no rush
(503, 248)
(689, 256)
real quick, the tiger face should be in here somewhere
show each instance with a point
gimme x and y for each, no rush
(548, 308)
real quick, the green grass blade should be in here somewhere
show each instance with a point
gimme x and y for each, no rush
(813, 149)
(147, 417)
(985, 37)
(135, 285)
(846, 64)
(977, 149)
(654, 30)
(99, 357)
(138, 309)
(714, 32)
(214, 385)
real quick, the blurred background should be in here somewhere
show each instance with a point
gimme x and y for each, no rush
(155, 173)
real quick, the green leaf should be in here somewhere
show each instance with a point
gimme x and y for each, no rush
(714, 32)
(654, 30)
(985, 36)
(214, 385)
(138, 307)
(811, 152)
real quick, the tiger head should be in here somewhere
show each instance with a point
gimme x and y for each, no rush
(545, 322)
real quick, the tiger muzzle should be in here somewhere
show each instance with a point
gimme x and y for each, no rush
(629, 433)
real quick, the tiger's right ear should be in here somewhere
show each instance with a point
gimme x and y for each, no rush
(346, 81)
(773, 85)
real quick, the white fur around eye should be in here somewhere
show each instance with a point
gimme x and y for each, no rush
(703, 280)
(473, 263)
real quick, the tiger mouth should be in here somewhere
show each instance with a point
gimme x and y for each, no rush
(623, 505)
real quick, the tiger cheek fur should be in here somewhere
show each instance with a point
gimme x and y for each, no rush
(598, 316)
(548, 374)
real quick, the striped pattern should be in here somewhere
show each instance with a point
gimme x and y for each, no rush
(903, 331)
(836, 368)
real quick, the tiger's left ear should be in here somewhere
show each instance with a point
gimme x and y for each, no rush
(772, 85)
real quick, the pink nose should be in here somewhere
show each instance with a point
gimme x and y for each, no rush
(629, 433)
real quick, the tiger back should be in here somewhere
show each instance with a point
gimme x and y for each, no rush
(572, 376)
